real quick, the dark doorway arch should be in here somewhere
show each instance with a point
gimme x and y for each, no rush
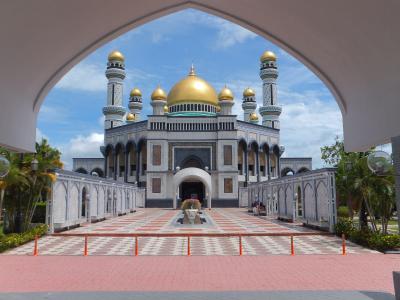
(303, 170)
(98, 171)
(287, 172)
(84, 203)
(81, 170)
(192, 190)
(299, 203)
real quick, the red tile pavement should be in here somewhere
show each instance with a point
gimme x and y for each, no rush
(317, 272)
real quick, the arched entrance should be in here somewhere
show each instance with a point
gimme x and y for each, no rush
(190, 182)
(85, 203)
(299, 203)
(192, 190)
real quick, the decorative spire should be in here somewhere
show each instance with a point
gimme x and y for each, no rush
(192, 72)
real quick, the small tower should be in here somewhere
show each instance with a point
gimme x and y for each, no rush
(226, 101)
(166, 110)
(130, 118)
(158, 101)
(249, 104)
(135, 104)
(114, 111)
(254, 118)
(270, 111)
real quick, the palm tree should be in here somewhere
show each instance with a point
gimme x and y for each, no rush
(26, 187)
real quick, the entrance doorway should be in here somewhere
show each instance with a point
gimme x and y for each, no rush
(192, 190)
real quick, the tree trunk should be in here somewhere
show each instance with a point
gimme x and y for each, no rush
(363, 217)
(1, 203)
(350, 206)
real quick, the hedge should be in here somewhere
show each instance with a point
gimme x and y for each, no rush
(13, 240)
(365, 237)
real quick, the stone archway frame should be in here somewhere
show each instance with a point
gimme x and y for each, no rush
(193, 174)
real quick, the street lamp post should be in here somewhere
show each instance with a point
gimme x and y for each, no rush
(4, 169)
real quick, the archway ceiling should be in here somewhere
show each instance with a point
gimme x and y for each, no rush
(353, 46)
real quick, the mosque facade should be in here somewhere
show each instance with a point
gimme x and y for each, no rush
(192, 146)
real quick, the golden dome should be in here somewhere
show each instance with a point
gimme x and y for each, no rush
(248, 92)
(253, 117)
(130, 117)
(116, 55)
(192, 89)
(166, 109)
(158, 94)
(136, 93)
(218, 109)
(225, 94)
(268, 55)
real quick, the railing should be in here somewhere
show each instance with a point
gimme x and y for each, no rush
(240, 236)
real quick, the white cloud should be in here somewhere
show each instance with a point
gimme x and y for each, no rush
(54, 114)
(81, 146)
(84, 77)
(40, 136)
(227, 33)
(307, 126)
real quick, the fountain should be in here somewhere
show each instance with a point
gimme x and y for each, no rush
(191, 212)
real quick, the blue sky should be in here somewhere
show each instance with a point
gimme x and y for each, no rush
(161, 52)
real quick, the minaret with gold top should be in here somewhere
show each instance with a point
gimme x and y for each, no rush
(114, 111)
(135, 106)
(158, 101)
(226, 101)
(270, 111)
(249, 104)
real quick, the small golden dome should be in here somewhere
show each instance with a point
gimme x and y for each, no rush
(218, 109)
(130, 117)
(192, 89)
(166, 109)
(253, 117)
(116, 55)
(225, 94)
(136, 93)
(158, 94)
(268, 55)
(248, 92)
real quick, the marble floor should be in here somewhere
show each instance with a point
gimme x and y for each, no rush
(221, 220)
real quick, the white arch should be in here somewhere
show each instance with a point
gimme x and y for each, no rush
(196, 174)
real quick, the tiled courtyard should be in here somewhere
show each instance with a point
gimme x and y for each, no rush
(220, 220)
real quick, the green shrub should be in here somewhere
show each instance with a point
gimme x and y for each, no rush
(191, 203)
(346, 226)
(343, 212)
(16, 239)
(382, 242)
(366, 237)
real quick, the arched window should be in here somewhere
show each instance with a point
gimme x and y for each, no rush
(83, 202)
(299, 203)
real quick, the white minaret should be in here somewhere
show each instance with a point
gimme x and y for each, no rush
(158, 101)
(270, 111)
(249, 104)
(114, 111)
(226, 101)
(135, 106)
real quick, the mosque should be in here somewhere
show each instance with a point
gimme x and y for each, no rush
(192, 146)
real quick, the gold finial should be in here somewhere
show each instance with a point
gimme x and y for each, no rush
(130, 117)
(158, 94)
(116, 55)
(248, 92)
(225, 94)
(268, 55)
(192, 72)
